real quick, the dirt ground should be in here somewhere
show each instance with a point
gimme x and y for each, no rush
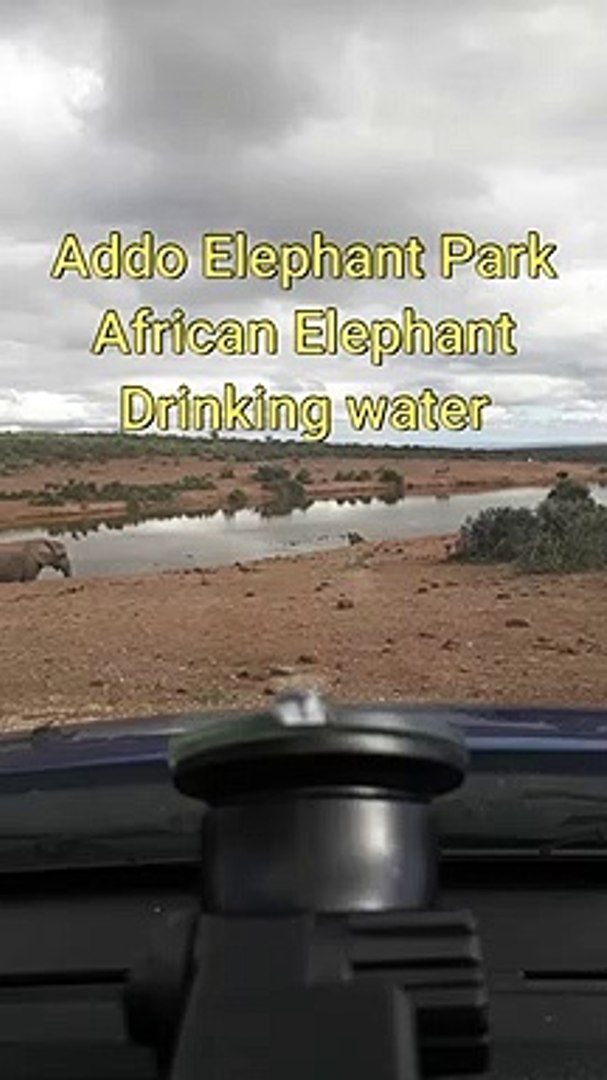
(391, 620)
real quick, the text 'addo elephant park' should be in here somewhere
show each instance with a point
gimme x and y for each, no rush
(307, 334)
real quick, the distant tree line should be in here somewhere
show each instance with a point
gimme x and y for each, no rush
(37, 447)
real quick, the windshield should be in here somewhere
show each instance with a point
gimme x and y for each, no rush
(302, 379)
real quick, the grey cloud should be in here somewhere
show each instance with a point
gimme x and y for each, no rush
(369, 121)
(194, 80)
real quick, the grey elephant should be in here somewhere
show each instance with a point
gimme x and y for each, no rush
(23, 560)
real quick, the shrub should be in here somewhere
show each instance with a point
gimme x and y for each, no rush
(569, 537)
(269, 474)
(497, 534)
(392, 479)
(195, 483)
(46, 498)
(286, 495)
(567, 533)
(569, 490)
(237, 499)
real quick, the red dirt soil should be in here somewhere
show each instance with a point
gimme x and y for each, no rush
(380, 621)
(422, 476)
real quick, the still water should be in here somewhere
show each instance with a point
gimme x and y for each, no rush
(219, 539)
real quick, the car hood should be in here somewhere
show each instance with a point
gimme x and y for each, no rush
(100, 792)
(143, 739)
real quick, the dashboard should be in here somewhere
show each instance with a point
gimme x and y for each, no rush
(94, 859)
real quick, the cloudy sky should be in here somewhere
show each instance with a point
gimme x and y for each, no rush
(369, 120)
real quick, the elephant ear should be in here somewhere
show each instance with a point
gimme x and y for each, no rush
(46, 551)
(55, 546)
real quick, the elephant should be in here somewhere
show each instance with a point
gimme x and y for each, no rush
(23, 560)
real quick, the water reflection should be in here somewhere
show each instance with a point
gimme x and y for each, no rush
(81, 528)
(274, 508)
(219, 537)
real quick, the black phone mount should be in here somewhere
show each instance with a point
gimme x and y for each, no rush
(319, 951)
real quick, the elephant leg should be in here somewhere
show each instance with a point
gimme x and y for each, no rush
(31, 568)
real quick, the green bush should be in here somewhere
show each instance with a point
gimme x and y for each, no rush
(114, 491)
(570, 536)
(497, 534)
(285, 496)
(196, 483)
(392, 479)
(269, 474)
(237, 499)
(45, 498)
(581, 546)
(568, 490)
(567, 533)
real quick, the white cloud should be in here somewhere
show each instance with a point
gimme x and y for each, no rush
(41, 407)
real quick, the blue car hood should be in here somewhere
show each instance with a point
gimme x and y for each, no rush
(133, 740)
(101, 794)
